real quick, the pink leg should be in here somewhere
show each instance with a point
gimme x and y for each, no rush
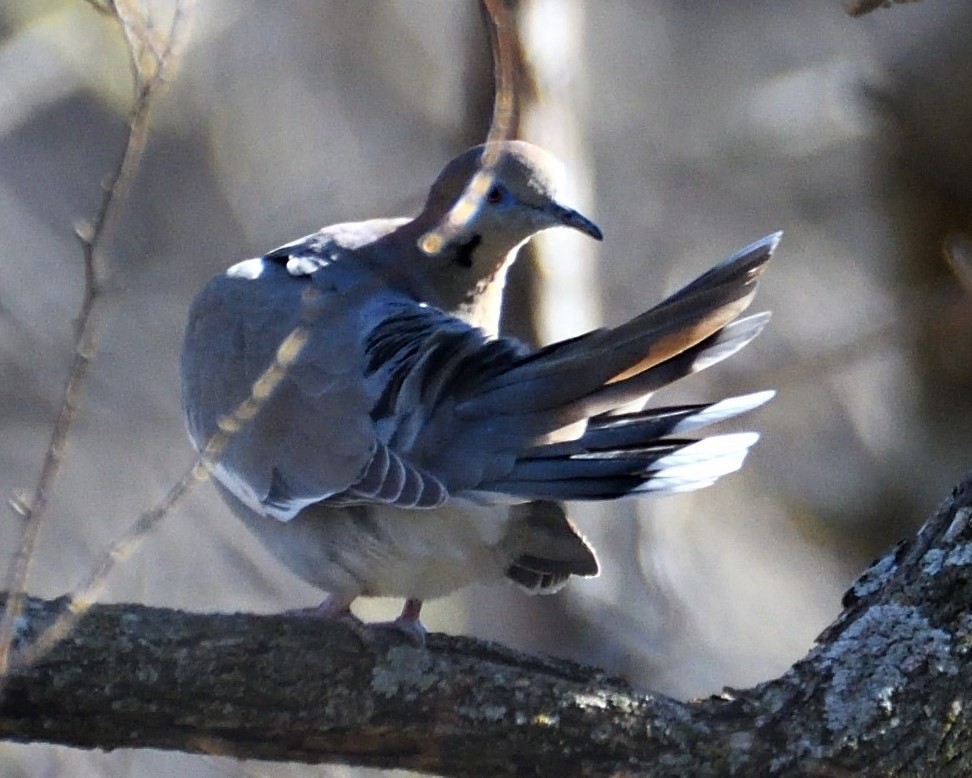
(410, 623)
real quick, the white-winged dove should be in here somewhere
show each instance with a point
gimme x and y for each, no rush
(410, 450)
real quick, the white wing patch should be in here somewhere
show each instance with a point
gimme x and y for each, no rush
(248, 269)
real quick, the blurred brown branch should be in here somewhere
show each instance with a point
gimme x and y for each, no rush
(150, 60)
(886, 690)
(502, 40)
(861, 7)
(958, 255)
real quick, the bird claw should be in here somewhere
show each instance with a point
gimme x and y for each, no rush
(407, 624)
(412, 629)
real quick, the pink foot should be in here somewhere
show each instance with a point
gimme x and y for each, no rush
(339, 609)
(408, 623)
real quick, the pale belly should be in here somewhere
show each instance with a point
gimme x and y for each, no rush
(379, 551)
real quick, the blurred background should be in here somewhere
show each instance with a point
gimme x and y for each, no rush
(690, 129)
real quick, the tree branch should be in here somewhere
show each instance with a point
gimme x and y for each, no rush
(886, 690)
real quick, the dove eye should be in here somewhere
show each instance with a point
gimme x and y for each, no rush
(495, 194)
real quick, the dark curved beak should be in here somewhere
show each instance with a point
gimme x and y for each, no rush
(568, 217)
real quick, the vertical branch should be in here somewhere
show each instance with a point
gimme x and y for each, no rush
(502, 41)
(551, 114)
(553, 291)
(149, 63)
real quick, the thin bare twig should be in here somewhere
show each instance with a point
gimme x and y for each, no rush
(86, 595)
(93, 237)
(502, 42)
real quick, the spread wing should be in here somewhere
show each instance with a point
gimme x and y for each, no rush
(396, 402)
(314, 436)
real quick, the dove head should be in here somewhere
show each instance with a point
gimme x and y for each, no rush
(483, 206)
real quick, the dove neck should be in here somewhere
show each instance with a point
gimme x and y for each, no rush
(482, 304)
(466, 278)
(476, 298)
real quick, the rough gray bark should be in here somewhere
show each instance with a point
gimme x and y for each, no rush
(885, 692)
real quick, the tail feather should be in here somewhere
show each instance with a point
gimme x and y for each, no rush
(600, 464)
(558, 376)
(751, 258)
(669, 466)
(722, 410)
(714, 349)
(547, 425)
(542, 382)
(605, 400)
(548, 549)
(605, 433)
(701, 463)
(634, 453)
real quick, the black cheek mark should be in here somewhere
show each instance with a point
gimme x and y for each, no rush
(464, 252)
